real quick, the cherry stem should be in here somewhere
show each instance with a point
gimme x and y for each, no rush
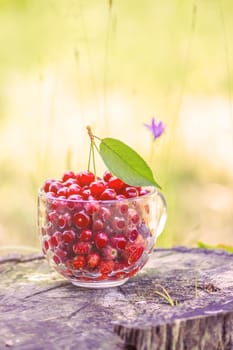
(91, 152)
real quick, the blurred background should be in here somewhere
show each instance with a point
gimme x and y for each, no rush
(114, 64)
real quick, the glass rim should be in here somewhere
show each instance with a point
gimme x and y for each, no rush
(152, 191)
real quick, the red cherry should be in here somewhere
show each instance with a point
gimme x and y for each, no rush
(143, 192)
(97, 225)
(86, 193)
(70, 182)
(97, 187)
(107, 175)
(134, 217)
(109, 253)
(133, 234)
(106, 267)
(59, 256)
(101, 240)
(86, 235)
(63, 191)
(47, 185)
(116, 183)
(79, 262)
(118, 223)
(81, 219)
(73, 189)
(135, 254)
(68, 175)
(53, 242)
(123, 208)
(68, 236)
(93, 260)
(108, 194)
(130, 192)
(120, 197)
(92, 207)
(55, 186)
(81, 248)
(85, 178)
(119, 242)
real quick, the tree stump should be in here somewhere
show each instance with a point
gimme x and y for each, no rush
(40, 310)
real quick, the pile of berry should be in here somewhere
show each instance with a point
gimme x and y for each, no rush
(95, 229)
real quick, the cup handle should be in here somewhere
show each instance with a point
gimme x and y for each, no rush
(162, 217)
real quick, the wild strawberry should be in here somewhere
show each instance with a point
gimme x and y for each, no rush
(81, 248)
(93, 260)
(79, 262)
(101, 240)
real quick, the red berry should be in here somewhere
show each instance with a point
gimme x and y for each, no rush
(106, 267)
(86, 235)
(53, 242)
(135, 254)
(86, 193)
(63, 191)
(119, 242)
(55, 186)
(92, 207)
(134, 217)
(68, 236)
(101, 240)
(93, 260)
(81, 248)
(79, 262)
(130, 192)
(108, 194)
(116, 183)
(81, 219)
(97, 187)
(132, 234)
(109, 253)
(68, 175)
(120, 197)
(143, 191)
(104, 214)
(70, 182)
(59, 256)
(47, 185)
(73, 189)
(85, 178)
(107, 175)
(123, 208)
(98, 225)
(118, 223)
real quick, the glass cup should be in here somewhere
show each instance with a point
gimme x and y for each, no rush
(100, 244)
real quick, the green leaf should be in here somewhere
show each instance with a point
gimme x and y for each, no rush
(125, 163)
(227, 248)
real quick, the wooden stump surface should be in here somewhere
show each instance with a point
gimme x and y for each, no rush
(40, 310)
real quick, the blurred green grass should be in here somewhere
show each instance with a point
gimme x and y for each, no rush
(65, 64)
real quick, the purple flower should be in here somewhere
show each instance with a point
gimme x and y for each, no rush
(156, 129)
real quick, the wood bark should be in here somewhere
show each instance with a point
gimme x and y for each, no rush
(41, 310)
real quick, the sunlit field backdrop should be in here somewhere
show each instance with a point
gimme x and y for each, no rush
(114, 65)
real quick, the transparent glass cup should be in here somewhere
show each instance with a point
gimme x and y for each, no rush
(99, 244)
